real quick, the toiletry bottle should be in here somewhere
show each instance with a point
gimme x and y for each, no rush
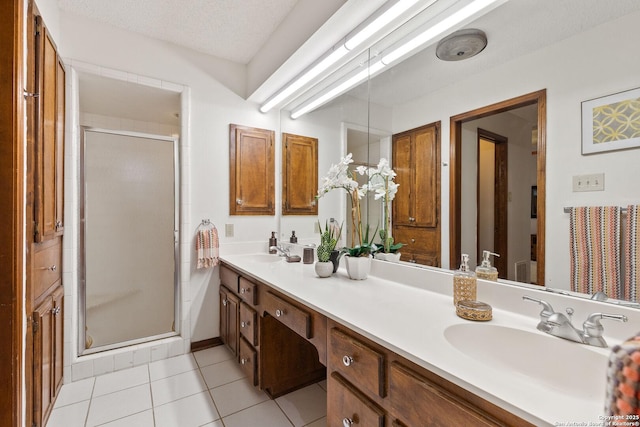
(485, 270)
(293, 238)
(464, 282)
(273, 242)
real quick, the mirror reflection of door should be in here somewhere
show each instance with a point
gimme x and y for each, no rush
(492, 198)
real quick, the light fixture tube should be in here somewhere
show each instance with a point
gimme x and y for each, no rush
(436, 30)
(350, 44)
(338, 90)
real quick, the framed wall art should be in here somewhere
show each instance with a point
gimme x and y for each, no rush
(611, 122)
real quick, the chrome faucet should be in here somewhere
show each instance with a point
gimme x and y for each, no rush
(559, 324)
(282, 251)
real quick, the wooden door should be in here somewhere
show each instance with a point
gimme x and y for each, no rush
(252, 171)
(299, 175)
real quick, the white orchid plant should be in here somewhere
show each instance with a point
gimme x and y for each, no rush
(381, 183)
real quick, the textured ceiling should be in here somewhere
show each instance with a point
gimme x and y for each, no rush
(229, 29)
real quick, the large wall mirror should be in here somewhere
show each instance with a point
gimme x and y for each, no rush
(543, 54)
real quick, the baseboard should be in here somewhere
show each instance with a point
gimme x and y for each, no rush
(201, 345)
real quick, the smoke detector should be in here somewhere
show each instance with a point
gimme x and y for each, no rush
(461, 45)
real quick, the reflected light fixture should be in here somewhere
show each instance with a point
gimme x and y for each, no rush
(396, 52)
(383, 18)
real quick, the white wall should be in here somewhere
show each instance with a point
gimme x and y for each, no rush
(577, 69)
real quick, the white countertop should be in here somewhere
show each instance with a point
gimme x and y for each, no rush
(408, 309)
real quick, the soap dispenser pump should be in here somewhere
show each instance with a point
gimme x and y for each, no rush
(273, 241)
(293, 238)
(485, 270)
(464, 282)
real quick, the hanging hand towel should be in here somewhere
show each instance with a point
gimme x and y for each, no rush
(631, 250)
(595, 246)
(207, 247)
(623, 379)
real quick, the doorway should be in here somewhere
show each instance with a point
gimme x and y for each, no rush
(456, 231)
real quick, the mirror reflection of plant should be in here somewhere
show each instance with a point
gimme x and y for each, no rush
(381, 182)
(366, 248)
(329, 237)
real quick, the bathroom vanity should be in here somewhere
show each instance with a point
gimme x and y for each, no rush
(394, 353)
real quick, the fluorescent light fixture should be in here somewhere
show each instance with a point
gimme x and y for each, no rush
(436, 30)
(403, 49)
(338, 53)
(338, 90)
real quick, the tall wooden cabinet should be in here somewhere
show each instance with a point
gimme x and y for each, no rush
(45, 95)
(416, 206)
(299, 175)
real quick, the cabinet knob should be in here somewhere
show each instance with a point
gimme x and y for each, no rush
(55, 311)
(244, 324)
(412, 260)
(280, 313)
(413, 240)
(347, 422)
(58, 225)
(244, 361)
(347, 360)
(225, 302)
(52, 268)
(245, 290)
(238, 201)
(411, 219)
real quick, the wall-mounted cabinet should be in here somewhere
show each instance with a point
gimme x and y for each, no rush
(251, 171)
(416, 207)
(299, 175)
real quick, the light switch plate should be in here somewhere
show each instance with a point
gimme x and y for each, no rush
(228, 230)
(591, 182)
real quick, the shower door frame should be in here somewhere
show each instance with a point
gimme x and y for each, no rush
(82, 349)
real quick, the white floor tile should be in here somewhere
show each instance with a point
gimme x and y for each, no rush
(322, 422)
(121, 380)
(73, 415)
(222, 373)
(119, 404)
(212, 355)
(191, 411)
(141, 419)
(236, 396)
(176, 387)
(217, 423)
(323, 384)
(266, 414)
(75, 392)
(172, 366)
(305, 405)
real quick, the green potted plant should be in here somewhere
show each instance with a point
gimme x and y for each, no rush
(329, 236)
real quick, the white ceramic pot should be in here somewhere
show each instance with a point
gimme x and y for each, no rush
(387, 256)
(358, 267)
(324, 269)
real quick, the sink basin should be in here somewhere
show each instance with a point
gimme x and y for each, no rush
(549, 361)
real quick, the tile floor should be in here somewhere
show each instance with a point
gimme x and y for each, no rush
(206, 388)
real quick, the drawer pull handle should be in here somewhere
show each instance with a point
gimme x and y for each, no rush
(347, 360)
(244, 324)
(280, 313)
(52, 268)
(347, 422)
(244, 361)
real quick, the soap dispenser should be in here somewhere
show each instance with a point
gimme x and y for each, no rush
(485, 270)
(464, 282)
(273, 242)
(293, 238)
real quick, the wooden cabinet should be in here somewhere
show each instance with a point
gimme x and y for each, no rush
(47, 327)
(299, 175)
(251, 171)
(416, 206)
(229, 318)
(49, 137)
(347, 406)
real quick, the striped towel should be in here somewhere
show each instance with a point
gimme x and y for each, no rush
(623, 379)
(595, 250)
(631, 250)
(207, 247)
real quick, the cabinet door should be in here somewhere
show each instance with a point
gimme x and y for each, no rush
(42, 361)
(229, 305)
(402, 211)
(48, 203)
(426, 196)
(300, 175)
(252, 170)
(57, 339)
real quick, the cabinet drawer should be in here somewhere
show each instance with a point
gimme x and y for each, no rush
(249, 361)
(357, 362)
(248, 323)
(294, 317)
(417, 401)
(229, 278)
(417, 238)
(420, 258)
(347, 406)
(47, 268)
(248, 291)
